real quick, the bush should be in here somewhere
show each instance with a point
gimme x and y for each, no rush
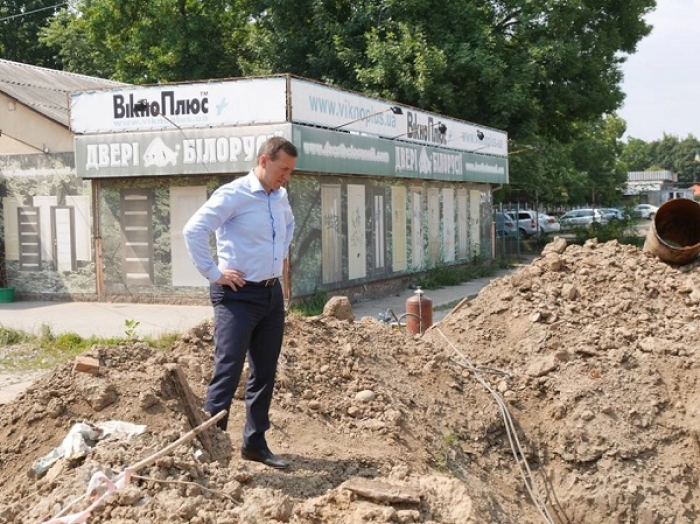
(311, 306)
(443, 275)
(621, 230)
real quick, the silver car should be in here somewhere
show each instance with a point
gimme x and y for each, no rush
(581, 218)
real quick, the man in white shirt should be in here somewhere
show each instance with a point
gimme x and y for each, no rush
(253, 223)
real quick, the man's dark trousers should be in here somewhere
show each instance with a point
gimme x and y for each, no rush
(249, 320)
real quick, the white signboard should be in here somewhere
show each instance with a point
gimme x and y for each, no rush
(320, 105)
(149, 108)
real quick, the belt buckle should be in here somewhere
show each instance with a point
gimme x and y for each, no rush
(270, 282)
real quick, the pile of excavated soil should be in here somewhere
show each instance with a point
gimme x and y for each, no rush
(582, 365)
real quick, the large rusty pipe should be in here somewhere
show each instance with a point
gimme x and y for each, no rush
(674, 233)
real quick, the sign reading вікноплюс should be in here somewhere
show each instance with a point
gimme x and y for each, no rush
(321, 105)
(150, 108)
(256, 101)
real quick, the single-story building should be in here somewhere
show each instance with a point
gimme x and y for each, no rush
(655, 187)
(381, 190)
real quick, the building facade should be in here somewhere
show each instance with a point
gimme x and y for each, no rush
(655, 187)
(381, 191)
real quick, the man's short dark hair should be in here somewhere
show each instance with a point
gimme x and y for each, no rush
(272, 146)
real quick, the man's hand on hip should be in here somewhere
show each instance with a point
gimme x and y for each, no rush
(232, 278)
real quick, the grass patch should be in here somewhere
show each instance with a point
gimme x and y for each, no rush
(453, 275)
(624, 231)
(310, 306)
(21, 351)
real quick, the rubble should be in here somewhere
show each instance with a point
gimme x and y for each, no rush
(589, 354)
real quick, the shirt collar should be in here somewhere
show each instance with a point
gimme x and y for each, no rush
(255, 184)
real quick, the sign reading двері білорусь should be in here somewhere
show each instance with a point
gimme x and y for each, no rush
(179, 152)
(324, 151)
(234, 150)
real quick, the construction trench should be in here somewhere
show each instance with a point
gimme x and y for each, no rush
(568, 392)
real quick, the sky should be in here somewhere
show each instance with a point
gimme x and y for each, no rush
(661, 80)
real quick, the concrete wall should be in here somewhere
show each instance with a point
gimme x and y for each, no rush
(25, 131)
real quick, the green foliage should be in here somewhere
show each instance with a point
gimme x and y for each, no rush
(310, 306)
(448, 450)
(669, 152)
(9, 337)
(149, 41)
(583, 170)
(443, 275)
(22, 21)
(26, 351)
(130, 326)
(69, 341)
(163, 342)
(621, 230)
(534, 67)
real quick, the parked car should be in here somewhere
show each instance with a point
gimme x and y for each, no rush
(644, 211)
(581, 218)
(548, 224)
(526, 220)
(505, 225)
(611, 213)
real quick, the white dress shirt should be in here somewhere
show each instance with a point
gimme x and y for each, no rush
(253, 230)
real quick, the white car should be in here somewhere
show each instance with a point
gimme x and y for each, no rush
(644, 211)
(548, 224)
(526, 219)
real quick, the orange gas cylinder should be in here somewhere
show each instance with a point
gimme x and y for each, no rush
(419, 313)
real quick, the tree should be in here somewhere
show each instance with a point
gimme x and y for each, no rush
(20, 23)
(682, 156)
(150, 41)
(532, 67)
(596, 153)
(636, 155)
(677, 155)
(543, 70)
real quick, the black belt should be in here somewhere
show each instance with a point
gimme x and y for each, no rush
(263, 283)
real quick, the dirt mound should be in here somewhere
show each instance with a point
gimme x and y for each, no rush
(602, 344)
(581, 365)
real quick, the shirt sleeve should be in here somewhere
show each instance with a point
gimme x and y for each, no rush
(198, 230)
(289, 219)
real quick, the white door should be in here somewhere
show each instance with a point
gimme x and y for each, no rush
(357, 232)
(184, 201)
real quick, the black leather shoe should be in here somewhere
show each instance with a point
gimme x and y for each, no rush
(265, 456)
